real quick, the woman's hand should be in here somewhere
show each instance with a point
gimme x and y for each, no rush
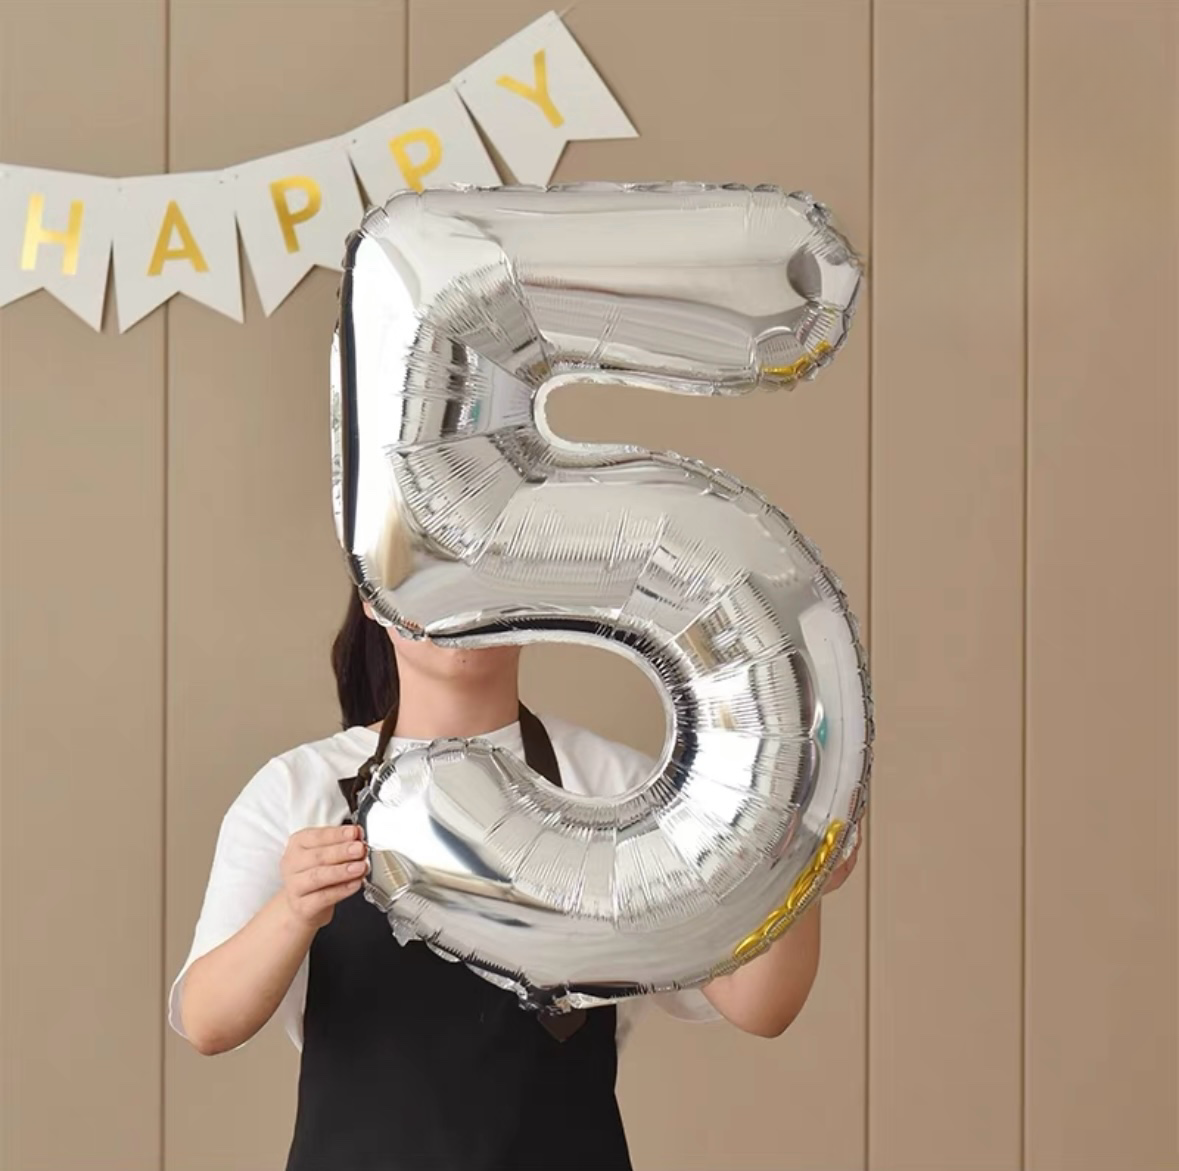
(321, 867)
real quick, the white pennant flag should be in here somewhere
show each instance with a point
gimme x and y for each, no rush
(536, 92)
(295, 211)
(429, 142)
(176, 234)
(55, 234)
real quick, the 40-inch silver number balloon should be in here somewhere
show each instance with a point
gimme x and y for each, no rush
(465, 520)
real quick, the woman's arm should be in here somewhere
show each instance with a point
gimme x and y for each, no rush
(766, 995)
(230, 992)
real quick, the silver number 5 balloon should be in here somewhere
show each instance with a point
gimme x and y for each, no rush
(464, 519)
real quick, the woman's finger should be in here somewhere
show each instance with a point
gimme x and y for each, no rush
(319, 877)
(320, 900)
(328, 855)
(317, 837)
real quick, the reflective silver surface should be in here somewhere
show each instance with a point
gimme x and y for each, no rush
(464, 519)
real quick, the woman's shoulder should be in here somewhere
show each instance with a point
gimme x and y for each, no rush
(594, 764)
(345, 750)
(302, 783)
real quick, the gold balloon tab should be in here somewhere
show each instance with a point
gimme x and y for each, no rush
(775, 924)
(803, 366)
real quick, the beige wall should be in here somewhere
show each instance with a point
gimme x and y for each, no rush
(991, 466)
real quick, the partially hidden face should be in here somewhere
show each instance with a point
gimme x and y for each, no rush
(422, 657)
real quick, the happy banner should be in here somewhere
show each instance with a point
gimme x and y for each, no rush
(177, 233)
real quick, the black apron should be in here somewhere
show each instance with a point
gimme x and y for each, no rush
(412, 1063)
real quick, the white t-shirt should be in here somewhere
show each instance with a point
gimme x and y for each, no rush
(301, 789)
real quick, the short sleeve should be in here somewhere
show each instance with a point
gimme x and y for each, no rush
(246, 870)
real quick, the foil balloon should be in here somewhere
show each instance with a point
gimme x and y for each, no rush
(464, 519)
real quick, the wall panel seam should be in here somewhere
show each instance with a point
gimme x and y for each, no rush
(164, 612)
(1024, 559)
(408, 54)
(869, 608)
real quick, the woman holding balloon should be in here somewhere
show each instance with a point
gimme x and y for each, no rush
(408, 1061)
(701, 872)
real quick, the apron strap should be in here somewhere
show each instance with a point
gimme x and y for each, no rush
(539, 753)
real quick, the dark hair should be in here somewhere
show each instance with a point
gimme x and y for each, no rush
(365, 668)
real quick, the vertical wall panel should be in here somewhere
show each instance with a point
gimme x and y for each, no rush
(81, 635)
(763, 92)
(1102, 1042)
(945, 965)
(256, 584)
